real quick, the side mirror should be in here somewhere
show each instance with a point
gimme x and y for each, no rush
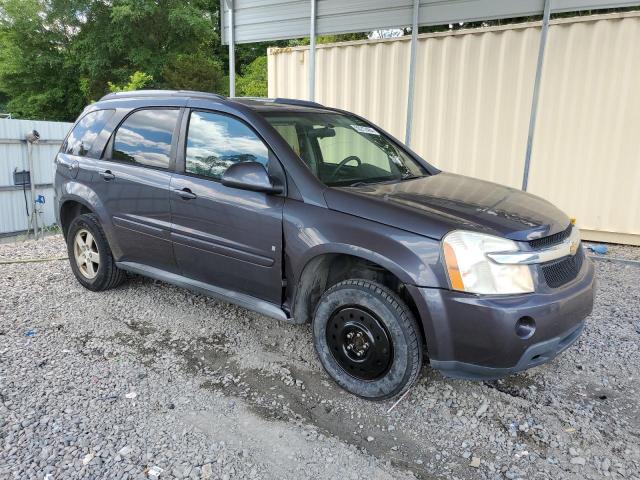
(250, 176)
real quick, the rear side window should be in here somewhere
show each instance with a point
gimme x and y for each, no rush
(215, 142)
(145, 138)
(83, 135)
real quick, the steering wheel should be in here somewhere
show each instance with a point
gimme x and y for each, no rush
(343, 163)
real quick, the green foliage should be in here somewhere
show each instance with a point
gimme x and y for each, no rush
(320, 39)
(196, 71)
(58, 55)
(35, 73)
(253, 82)
(136, 81)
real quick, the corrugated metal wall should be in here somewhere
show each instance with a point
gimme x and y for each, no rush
(13, 155)
(473, 100)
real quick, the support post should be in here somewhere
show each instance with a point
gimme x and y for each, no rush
(412, 71)
(536, 92)
(232, 52)
(312, 53)
(32, 176)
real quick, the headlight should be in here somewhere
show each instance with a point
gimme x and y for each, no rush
(470, 270)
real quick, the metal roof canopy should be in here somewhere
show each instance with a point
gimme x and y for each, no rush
(268, 20)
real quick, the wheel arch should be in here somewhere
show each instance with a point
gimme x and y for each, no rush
(326, 268)
(71, 208)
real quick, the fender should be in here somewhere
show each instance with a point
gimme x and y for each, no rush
(82, 194)
(354, 251)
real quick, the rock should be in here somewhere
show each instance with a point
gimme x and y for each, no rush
(87, 458)
(370, 438)
(482, 409)
(475, 462)
(206, 471)
(154, 472)
(125, 451)
(578, 461)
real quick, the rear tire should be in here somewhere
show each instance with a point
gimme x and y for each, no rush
(367, 339)
(90, 256)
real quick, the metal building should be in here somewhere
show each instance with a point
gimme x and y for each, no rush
(257, 20)
(472, 107)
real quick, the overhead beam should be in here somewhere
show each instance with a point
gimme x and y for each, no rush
(261, 20)
(312, 52)
(536, 93)
(412, 71)
(232, 50)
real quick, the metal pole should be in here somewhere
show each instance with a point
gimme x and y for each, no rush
(232, 52)
(312, 53)
(412, 71)
(536, 92)
(32, 181)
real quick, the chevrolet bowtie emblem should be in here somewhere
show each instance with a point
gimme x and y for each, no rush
(573, 248)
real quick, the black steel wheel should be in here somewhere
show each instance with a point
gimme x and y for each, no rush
(367, 339)
(359, 342)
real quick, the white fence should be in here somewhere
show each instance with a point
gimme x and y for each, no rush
(14, 200)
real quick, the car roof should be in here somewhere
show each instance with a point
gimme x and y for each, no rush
(259, 104)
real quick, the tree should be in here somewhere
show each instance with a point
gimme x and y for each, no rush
(136, 81)
(36, 75)
(58, 55)
(253, 82)
(196, 71)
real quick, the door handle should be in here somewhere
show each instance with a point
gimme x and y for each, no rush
(185, 193)
(107, 175)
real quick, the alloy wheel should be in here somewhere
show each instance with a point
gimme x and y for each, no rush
(85, 251)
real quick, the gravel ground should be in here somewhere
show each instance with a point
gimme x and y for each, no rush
(623, 252)
(148, 376)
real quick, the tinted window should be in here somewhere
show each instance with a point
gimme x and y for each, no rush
(343, 150)
(215, 142)
(145, 138)
(81, 138)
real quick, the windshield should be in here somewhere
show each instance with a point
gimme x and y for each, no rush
(342, 150)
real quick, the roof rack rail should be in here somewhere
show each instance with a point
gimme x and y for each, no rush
(163, 93)
(285, 101)
(295, 101)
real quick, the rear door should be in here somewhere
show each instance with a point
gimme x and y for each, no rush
(133, 179)
(224, 236)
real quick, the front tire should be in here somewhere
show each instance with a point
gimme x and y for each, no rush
(90, 256)
(367, 339)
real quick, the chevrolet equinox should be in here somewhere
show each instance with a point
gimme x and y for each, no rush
(306, 213)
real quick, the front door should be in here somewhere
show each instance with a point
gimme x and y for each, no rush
(224, 236)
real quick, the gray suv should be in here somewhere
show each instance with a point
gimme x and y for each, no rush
(311, 214)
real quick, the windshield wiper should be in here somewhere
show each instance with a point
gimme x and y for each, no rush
(411, 177)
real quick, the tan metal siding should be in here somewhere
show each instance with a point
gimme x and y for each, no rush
(473, 100)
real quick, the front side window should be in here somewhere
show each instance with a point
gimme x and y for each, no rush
(145, 138)
(216, 141)
(342, 150)
(84, 134)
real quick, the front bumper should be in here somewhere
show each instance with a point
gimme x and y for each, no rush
(474, 336)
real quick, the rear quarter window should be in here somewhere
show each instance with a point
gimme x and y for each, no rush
(85, 132)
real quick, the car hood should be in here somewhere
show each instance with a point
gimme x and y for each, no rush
(436, 204)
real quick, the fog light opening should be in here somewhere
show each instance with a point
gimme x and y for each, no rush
(525, 327)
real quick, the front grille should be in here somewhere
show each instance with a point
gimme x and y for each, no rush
(561, 272)
(545, 242)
